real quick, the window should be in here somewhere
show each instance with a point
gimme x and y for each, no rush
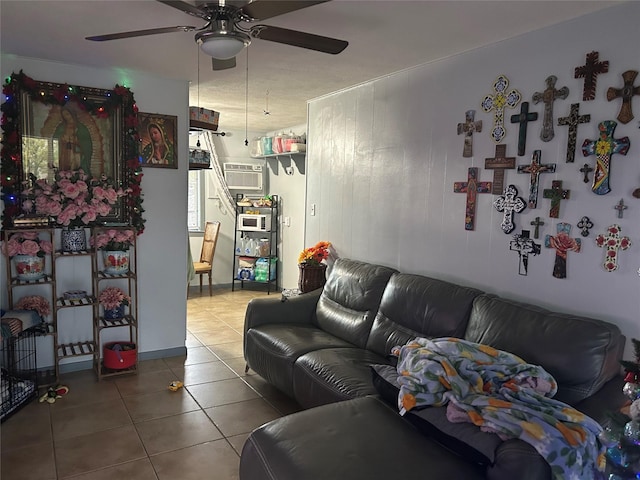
(195, 212)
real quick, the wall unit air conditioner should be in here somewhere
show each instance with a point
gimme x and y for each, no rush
(243, 176)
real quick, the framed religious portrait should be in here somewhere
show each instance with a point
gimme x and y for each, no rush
(158, 140)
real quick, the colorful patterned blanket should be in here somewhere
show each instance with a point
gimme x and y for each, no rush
(500, 393)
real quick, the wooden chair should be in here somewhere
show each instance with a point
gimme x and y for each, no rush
(209, 242)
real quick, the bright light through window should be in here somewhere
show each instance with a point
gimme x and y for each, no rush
(196, 201)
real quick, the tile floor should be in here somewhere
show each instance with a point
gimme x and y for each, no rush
(134, 428)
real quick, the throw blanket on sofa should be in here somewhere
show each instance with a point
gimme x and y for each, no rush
(500, 393)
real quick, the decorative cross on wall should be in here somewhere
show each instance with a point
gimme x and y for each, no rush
(555, 193)
(499, 164)
(585, 225)
(523, 118)
(586, 169)
(498, 102)
(548, 96)
(612, 242)
(471, 187)
(626, 92)
(536, 223)
(572, 121)
(468, 128)
(603, 148)
(620, 207)
(522, 244)
(534, 169)
(509, 203)
(562, 243)
(590, 71)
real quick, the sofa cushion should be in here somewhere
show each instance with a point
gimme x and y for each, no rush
(334, 374)
(350, 299)
(417, 306)
(581, 353)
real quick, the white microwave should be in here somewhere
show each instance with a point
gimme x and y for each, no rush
(254, 223)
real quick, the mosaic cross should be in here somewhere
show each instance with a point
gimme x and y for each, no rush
(468, 128)
(620, 207)
(534, 169)
(585, 224)
(509, 203)
(497, 102)
(562, 243)
(499, 164)
(548, 96)
(471, 187)
(523, 118)
(525, 246)
(626, 92)
(536, 223)
(603, 148)
(586, 169)
(590, 71)
(572, 121)
(612, 242)
(556, 193)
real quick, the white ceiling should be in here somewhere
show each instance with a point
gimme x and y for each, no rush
(384, 36)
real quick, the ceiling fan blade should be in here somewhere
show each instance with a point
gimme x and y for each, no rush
(186, 8)
(139, 33)
(263, 9)
(299, 39)
(218, 64)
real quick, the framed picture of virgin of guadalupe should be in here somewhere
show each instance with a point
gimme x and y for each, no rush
(158, 140)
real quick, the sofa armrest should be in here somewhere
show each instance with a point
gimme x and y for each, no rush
(299, 309)
(608, 399)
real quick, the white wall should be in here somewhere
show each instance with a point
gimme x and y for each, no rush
(383, 158)
(162, 258)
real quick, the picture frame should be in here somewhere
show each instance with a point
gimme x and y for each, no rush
(158, 140)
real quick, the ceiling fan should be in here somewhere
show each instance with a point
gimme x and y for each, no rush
(225, 35)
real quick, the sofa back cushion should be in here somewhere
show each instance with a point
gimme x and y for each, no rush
(581, 353)
(417, 306)
(350, 299)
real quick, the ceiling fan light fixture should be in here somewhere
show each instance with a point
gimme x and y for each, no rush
(223, 45)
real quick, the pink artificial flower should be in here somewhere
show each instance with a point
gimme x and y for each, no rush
(29, 235)
(30, 247)
(13, 247)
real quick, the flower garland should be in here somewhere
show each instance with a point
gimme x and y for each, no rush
(59, 94)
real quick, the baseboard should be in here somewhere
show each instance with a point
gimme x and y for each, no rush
(88, 364)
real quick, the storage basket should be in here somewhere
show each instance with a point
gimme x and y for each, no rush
(119, 355)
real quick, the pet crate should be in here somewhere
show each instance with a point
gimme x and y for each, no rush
(18, 382)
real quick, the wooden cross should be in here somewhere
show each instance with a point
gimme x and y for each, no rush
(471, 187)
(603, 148)
(620, 207)
(468, 127)
(572, 121)
(590, 71)
(555, 193)
(585, 224)
(498, 102)
(586, 169)
(509, 203)
(612, 242)
(499, 164)
(534, 169)
(522, 244)
(626, 92)
(562, 243)
(548, 96)
(523, 118)
(536, 223)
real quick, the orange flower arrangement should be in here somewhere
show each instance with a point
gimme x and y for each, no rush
(315, 255)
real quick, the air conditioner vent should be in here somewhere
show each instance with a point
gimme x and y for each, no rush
(243, 176)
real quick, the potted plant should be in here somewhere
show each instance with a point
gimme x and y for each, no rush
(113, 300)
(38, 304)
(312, 267)
(115, 246)
(27, 250)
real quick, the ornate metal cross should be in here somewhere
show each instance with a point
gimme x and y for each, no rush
(536, 223)
(471, 187)
(586, 169)
(523, 118)
(626, 92)
(534, 169)
(590, 71)
(620, 207)
(603, 148)
(509, 203)
(468, 128)
(613, 242)
(555, 193)
(572, 121)
(522, 244)
(585, 224)
(498, 102)
(548, 96)
(499, 164)
(562, 243)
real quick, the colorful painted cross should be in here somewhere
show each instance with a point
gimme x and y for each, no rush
(548, 96)
(603, 148)
(499, 164)
(572, 121)
(509, 203)
(585, 224)
(534, 169)
(522, 244)
(626, 92)
(471, 187)
(555, 193)
(620, 207)
(498, 102)
(590, 71)
(562, 243)
(586, 169)
(613, 242)
(536, 223)
(468, 128)
(523, 118)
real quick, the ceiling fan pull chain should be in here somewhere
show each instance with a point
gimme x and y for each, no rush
(246, 102)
